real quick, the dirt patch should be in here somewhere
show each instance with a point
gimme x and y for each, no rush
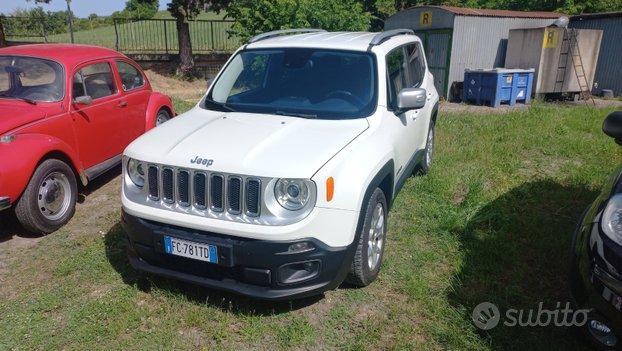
(185, 90)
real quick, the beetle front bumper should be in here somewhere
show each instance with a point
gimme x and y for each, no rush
(257, 268)
(5, 203)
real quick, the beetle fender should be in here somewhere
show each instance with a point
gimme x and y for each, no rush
(17, 167)
(156, 102)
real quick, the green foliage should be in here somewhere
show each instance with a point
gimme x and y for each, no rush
(253, 17)
(385, 8)
(141, 8)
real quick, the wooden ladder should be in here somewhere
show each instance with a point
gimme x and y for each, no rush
(572, 47)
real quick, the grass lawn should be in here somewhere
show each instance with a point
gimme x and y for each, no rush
(491, 222)
(152, 36)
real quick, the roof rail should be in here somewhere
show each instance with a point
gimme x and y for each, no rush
(277, 33)
(386, 35)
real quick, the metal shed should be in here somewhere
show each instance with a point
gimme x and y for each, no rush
(608, 73)
(457, 38)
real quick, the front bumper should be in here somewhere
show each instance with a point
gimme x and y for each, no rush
(5, 203)
(594, 282)
(246, 266)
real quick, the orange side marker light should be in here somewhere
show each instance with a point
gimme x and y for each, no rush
(330, 188)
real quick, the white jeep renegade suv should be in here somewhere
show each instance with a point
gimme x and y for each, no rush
(278, 183)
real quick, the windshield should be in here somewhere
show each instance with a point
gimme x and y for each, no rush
(310, 83)
(30, 79)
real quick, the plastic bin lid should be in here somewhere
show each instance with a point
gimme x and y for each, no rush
(501, 70)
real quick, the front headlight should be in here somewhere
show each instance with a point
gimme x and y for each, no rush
(292, 194)
(136, 172)
(611, 220)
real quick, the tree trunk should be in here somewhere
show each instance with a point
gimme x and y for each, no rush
(2, 37)
(186, 62)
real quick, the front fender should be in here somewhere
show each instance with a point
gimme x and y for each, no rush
(21, 156)
(156, 102)
(353, 170)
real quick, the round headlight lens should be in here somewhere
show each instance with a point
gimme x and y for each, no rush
(136, 172)
(612, 219)
(292, 194)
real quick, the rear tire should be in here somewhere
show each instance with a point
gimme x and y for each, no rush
(162, 117)
(49, 201)
(372, 240)
(426, 163)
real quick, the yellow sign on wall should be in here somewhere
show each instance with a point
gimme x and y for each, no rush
(425, 19)
(551, 38)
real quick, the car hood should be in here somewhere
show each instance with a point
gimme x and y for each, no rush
(15, 113)
(247, 144)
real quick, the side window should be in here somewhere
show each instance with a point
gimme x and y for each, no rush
(396, 75)
(95, 80)
(416, 64)
(130, 76)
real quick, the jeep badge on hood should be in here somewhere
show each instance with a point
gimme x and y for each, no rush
(202, 161)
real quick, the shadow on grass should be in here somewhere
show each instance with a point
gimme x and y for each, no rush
(116, 253)
(516, 255)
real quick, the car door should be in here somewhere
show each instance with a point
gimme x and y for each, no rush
(418, 78)
(96, 112)
(134, 102)
(402, 123)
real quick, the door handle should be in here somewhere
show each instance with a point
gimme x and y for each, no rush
(122, 104)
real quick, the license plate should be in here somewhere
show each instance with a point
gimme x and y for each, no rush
(190, 249)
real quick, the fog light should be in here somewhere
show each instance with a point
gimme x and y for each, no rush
(602, 333)
(300, 247)
(298, 272)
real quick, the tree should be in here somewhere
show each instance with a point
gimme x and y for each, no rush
(2, 36)
(183, 11)
(141, 8)
(257, 16)
(69, 15)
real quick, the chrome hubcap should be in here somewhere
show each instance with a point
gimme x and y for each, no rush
(376, 237)
(54, 196)
(430, 148)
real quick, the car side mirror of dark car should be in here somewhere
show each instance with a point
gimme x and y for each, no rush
(83, 100)
(411, 99)
(613, 126)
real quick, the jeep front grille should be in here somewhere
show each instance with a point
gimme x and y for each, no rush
(205, 191)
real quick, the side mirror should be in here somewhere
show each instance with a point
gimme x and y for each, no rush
(613, 126)
(411, 99)
(83, 100)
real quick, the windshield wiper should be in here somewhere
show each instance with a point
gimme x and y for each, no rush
(32, 102)
(295, 114)
(220, 105)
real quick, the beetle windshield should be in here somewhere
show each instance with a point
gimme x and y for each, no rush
(30, 79)
(299, 82)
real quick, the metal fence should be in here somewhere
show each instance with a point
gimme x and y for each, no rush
(127, 35)
(160, 36)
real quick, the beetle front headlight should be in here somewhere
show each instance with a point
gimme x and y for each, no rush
(136, 172)
(611, 221)
(292, 194)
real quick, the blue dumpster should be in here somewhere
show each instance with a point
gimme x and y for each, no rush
(498, 85)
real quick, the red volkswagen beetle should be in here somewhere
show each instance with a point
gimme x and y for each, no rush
(67, 112)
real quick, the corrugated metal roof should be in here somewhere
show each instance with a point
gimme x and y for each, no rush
(463, 11)
(596, 15)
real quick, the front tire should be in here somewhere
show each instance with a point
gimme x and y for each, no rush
(49, 201)
(370, 249)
